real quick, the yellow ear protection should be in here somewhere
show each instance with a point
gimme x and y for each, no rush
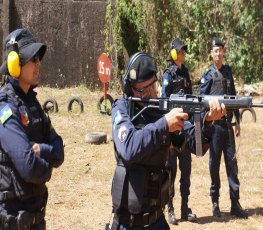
(125, 80)
(174, 54)
(13, 60)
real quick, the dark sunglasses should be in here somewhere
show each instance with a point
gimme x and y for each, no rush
(35, 58)
(142, 90)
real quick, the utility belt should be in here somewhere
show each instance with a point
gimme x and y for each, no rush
(138, 220)
(222, 121)
(23, 221)
(226, 120)
(7, 195)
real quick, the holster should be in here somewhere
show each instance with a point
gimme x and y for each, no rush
(115, 223)
(23, 221)
(7, 222)
(165, 188)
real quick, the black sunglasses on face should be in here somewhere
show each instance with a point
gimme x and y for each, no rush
(142, 90)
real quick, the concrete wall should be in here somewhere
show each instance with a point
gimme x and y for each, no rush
(72, 31)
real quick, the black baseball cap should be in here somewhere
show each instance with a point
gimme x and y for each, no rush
(141, 67)
(178, 45)
(217, 42)
(28, 47)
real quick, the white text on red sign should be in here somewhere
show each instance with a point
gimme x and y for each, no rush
(102, 69)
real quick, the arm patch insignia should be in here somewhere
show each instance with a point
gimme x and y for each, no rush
(122, 133)
(165, 82)
(117, 119)
(5, 113)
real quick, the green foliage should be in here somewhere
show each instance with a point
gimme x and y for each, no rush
(150, 25)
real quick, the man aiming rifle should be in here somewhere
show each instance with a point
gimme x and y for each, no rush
(140, 186)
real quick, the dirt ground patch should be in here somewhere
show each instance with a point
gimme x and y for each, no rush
(79, 191)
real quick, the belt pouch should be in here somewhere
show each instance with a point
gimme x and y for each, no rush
(118, 186)
(138, 178)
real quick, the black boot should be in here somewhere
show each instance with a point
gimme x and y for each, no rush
(171, 215)
(186, 212)
(215, 208)
(237, 210)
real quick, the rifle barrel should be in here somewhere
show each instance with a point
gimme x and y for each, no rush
(258, 105)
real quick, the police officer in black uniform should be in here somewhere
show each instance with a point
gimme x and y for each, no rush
(218, 80)
(140, 186)
(29, 146)
(176, 80)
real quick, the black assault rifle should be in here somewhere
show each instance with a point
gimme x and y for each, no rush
(193, 105)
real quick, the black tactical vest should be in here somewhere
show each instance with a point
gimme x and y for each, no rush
(37, 127)
(221, 82)
(142, 187)
(180, 83)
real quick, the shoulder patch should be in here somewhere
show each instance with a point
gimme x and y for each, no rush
(205, 74)
(172, 69)
(165, 82)
(5, 113)
(117, 119)
(122, 133)
(24, 115)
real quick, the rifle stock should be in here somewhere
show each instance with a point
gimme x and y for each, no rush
(194, 105)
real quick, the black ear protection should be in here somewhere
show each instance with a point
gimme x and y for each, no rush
(13, 60)
(126, 86)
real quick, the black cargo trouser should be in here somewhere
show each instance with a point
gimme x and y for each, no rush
(185, 161)
(223, 140)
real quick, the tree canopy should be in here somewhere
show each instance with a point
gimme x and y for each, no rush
(150, 25)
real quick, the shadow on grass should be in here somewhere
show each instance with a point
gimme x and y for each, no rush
(226, 216)
(255, 211)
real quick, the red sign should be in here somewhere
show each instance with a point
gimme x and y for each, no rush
(104, 68)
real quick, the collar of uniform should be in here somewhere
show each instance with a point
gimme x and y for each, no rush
(19, 92)
(215, 67)
(183, 69)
